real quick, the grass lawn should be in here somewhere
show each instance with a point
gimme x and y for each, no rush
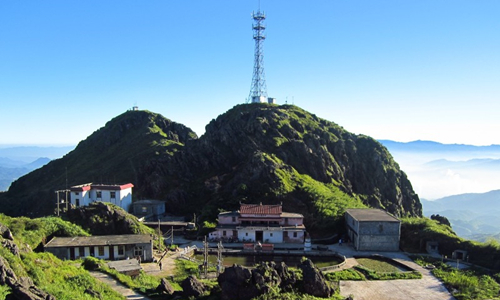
(378, 265)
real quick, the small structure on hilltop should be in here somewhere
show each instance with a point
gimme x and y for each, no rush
(373, 229)
(148, 209)
(112, 247)
(118, 194)
(260, 223)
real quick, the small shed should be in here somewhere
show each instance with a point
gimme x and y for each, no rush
(373, 229)
(148, 208)
(130, 267)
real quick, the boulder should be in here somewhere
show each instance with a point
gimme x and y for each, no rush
(11, 246)
(165, 287)
(237, 283)
(5, 232)
(288, 278)
(192, 287)
(313, 281)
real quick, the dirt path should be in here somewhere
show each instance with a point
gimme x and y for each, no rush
(120, 288)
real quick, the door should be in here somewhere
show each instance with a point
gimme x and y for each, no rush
(72, 253)
(259, 236)
(111, 252)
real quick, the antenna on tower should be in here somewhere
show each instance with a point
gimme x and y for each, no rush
(258, 89)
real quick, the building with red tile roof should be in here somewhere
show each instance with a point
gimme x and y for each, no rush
(260, 223)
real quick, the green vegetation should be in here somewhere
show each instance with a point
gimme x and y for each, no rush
(348, 274)
(34, 231)
(464, 284)
(61, 279)
(4, 291)
(378, 265)
(415, 232)
(375, 275)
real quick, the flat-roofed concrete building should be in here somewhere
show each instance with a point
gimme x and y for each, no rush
(118, 194)
(110, 247)
(148, 209)
(373, 229)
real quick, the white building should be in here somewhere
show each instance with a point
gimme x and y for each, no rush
(261, 223)
(120, 195)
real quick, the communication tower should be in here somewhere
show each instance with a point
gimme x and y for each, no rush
(258, 89)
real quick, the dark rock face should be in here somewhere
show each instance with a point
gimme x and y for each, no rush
(254, 151)
(238, 282)
(22, 288)
(165, 287)
(192, 287)
(313, 281)
(102, 219)
(11, 246)
(5, 232)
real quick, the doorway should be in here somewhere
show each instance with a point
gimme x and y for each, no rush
(259, 236)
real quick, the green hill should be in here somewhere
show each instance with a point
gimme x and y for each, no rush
(252, 153)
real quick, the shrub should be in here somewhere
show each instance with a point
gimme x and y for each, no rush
(91, 263)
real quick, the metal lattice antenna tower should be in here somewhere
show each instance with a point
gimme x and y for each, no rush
(258, 89)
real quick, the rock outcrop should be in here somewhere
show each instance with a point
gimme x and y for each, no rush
(253, 152)
(313, 281)
(22, 288)
(192, 287)
(165, 287)
(103, 219)
(240, 283)
(5, 232)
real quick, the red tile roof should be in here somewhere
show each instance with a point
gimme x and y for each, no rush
(259, 209)
(88, 186)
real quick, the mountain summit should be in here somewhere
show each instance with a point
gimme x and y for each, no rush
(252, 153)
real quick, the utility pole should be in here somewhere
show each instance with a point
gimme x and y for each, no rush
(172, 239)
(57, 192)
(205, 257)
(219, 258)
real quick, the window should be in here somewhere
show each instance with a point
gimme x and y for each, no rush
(113, 195)
(234, 219)
(295, 234)
(77, 193)
(224, 233)
(101, 250)
(144, 209)
(98, 195)
(246, 233)
(138, 251)
(77, 202)
(121, 250)
(271, 234)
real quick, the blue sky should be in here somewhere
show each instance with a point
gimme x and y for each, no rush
(400, 70)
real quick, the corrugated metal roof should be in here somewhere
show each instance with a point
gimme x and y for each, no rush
(259, 209)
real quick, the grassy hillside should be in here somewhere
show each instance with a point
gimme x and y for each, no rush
(415, 232)
(62, 279)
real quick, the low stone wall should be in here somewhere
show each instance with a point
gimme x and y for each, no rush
(330, 268)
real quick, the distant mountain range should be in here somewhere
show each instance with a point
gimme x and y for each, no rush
(472, 216)
(437, 170)
(18, 161)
